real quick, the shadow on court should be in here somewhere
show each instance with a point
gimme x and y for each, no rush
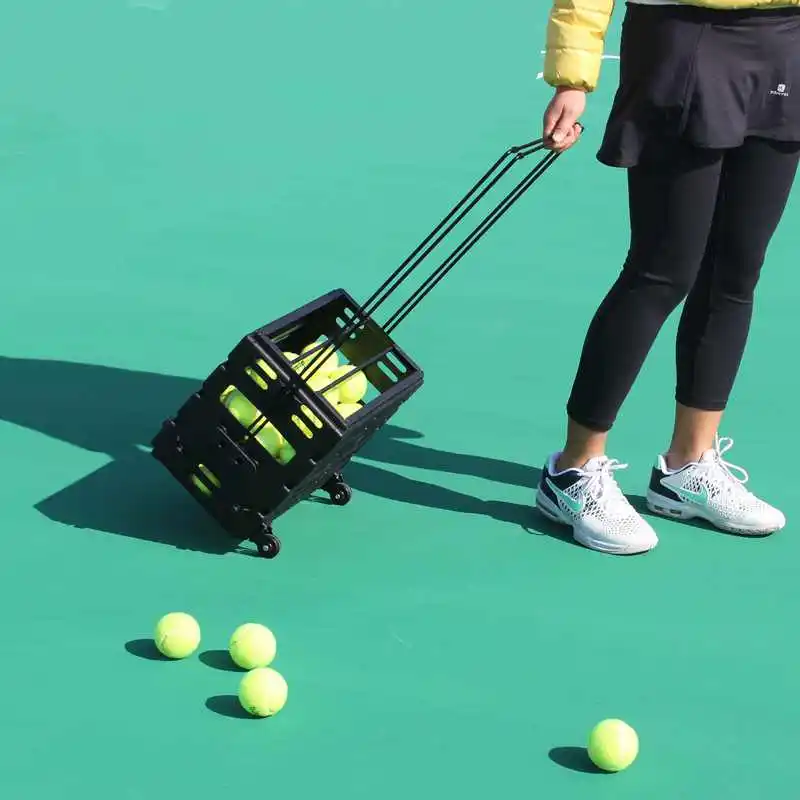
(228, 705)
(145, 649)
(575, 759)
(117, 411)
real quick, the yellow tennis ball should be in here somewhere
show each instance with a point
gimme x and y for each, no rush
(348, 409)
(256, 377)
(317, 382)
(354, 388)
(286, 453)
(301, 421)
(241, 408)
(324, 361)
(177, 635)
(613, 745)
(252, 646)
(224, 396)
(210, 476)
(270, 438)
(263, 692)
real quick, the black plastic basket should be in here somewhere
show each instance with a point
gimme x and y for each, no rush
(219, 456)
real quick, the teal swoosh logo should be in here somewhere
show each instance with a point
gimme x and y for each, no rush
(575, 506)
(700, 498)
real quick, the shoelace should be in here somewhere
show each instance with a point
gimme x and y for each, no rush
(602, 485)
(731, 481)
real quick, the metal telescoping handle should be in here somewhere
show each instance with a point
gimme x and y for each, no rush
(404, 271)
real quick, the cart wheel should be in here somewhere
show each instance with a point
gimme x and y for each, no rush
(268, 545)
(340, 494)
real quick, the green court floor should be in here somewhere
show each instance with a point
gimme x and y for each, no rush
(175, 173)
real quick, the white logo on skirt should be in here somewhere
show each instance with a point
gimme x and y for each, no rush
(780, 91)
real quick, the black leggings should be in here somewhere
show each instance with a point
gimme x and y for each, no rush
(701, 221)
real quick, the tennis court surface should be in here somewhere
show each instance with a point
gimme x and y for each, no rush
(175, 174)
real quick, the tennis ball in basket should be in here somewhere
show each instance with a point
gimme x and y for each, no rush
(613, 745)
(317, 382)
(286, 453)
(301, 421)
(270, 438)
(224, 396)
(209, 475)
(326, 366)
(263, 692)
(348, 409)
(241, 408)
(354, 388)
(252, 646)
(256, 377)
(177, 635)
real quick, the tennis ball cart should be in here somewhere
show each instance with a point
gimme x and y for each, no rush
(266, 429)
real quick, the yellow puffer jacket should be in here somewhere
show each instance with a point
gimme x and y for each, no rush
(577, 29)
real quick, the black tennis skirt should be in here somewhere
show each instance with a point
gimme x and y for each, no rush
(707, 77)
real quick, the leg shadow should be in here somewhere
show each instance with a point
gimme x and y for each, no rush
(384, 483)
(391, 446)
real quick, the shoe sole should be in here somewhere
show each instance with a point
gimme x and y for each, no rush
(553, 513)
(673, 509)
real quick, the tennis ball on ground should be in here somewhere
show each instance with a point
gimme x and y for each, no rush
(263, 692)
(252, 646)
(354, 388)
(317, 382)
(348, 409)
(177, 635)
(210, 476)
(613, 745)
(325, 361)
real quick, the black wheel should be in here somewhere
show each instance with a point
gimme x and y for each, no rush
(340, 494)
(268, 545)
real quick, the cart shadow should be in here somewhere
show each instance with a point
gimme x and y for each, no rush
(116, 412)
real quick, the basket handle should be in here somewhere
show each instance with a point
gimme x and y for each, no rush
(485, 183)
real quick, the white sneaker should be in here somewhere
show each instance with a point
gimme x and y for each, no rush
(590, 501)
(709, 490)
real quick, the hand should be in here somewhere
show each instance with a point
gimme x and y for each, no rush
(561, 119)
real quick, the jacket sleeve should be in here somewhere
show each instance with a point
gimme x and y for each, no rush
(576, 33)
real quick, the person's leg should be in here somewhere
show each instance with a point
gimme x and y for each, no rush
(671, 207)
(756, 182)
(692, 480)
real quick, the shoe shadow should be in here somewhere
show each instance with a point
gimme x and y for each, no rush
(117, 412)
